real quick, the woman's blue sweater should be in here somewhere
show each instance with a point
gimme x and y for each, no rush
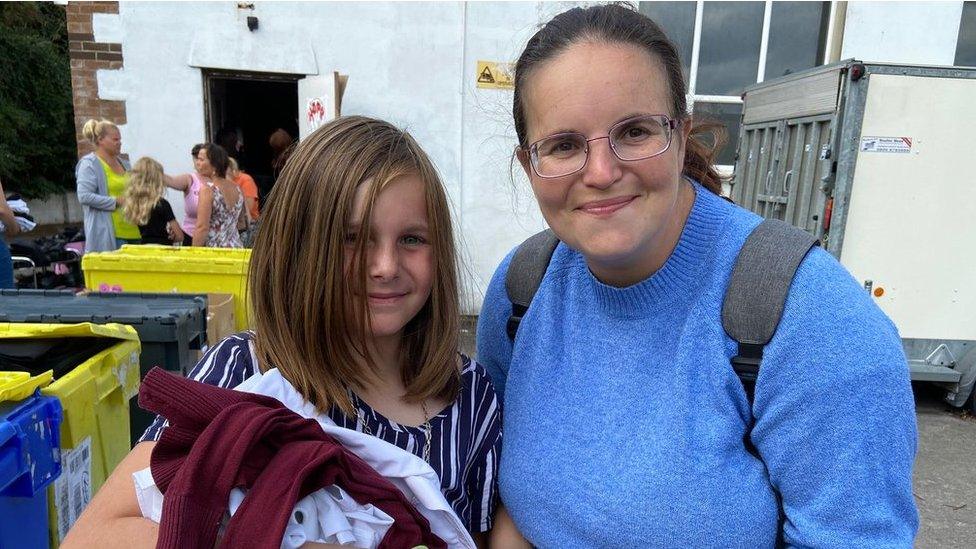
(624, 422)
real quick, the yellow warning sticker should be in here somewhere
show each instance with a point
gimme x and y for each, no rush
(498, 76)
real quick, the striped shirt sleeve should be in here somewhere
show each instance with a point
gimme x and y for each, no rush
(483, 478)
(227, 364)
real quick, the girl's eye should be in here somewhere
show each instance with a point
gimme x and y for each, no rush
(351, 238)
(413, 240)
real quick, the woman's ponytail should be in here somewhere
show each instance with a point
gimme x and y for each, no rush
(704, 143)
(93, 130)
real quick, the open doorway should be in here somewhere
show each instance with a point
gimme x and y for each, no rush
(251, 106)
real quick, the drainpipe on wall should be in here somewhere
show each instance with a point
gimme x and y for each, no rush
(835, 32)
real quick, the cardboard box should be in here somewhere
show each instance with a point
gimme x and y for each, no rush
(220, 317)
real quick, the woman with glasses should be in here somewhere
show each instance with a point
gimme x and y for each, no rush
(625, 424)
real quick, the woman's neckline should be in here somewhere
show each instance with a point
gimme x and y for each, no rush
(110, 166)
(680, 274)
(223, 196)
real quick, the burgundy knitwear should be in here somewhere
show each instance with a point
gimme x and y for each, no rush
(219, 439)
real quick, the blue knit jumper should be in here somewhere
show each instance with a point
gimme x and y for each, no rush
(624, 422)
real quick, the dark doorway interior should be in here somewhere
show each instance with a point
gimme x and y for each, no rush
(252, 106)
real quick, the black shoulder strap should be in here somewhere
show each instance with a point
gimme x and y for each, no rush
(757, 291)
(753, 301)
(525, 274)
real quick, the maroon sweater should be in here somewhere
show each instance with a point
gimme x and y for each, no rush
(219, 439)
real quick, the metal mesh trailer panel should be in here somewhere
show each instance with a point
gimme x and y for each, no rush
(873, 160)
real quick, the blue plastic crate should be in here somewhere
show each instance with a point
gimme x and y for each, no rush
(30, 460)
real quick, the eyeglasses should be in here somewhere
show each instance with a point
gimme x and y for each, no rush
(636, 138)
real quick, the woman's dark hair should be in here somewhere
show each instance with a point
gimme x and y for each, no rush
(196, 149)
(616, 23)
(218, 158)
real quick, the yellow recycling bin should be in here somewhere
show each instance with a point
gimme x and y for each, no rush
(95, 397)
(185, 251)
(172, 270)
(16, 386)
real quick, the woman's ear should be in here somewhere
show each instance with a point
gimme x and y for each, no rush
(684, 132)
(523, 158)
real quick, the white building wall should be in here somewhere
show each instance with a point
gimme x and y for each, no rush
(497, 207)
(413, 64)
(922, 33)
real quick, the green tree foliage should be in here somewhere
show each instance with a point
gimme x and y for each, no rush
(37, 135)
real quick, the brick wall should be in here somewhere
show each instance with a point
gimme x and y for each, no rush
(87, 57)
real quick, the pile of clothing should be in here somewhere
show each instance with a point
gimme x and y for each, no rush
(247, 469)
(55, 258)
(21, 213)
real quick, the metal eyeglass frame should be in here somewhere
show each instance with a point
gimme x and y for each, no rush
(669, 123)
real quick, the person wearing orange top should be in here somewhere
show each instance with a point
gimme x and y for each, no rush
(248, 187)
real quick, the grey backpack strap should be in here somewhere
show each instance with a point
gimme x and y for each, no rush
(525, 274)
(756, 294)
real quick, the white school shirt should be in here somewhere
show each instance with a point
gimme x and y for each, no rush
(340, 518)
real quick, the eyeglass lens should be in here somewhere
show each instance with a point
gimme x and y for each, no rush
(633, 139)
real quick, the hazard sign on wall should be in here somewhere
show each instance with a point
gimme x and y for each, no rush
(495, 75)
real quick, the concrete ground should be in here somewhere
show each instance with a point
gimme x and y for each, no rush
(945, 467)
(945, 472)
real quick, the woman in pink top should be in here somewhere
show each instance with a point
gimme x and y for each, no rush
(190, 184)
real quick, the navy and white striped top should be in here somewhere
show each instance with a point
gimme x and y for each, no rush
(465, 437)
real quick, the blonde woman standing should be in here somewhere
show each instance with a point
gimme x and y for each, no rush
(101, 177)
(146, 208)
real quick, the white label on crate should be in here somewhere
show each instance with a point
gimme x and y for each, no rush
(900, 145)
(73, 490)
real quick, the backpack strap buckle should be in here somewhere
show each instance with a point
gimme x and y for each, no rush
(512, 326)
(746, 362)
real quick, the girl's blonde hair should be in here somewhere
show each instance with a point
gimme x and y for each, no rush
(143, 191)
(93, 130)
(306, 323)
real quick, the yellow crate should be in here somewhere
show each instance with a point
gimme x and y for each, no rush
(95, 398)
(16, 386)
(185, 251)
(173, 270)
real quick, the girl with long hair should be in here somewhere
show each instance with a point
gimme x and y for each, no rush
(146, 208)
(353, 289)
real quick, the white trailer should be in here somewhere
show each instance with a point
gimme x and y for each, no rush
(877, 161)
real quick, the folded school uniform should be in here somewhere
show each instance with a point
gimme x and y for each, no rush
(220, 439)
(340, 519)
(411, 474)
(328, 515)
